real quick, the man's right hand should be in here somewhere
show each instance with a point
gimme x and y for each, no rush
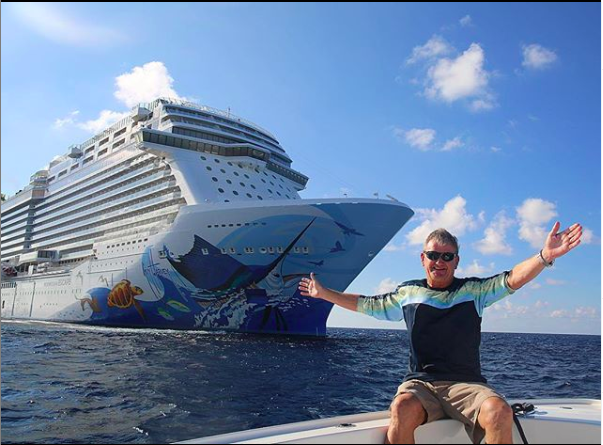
(311, 287)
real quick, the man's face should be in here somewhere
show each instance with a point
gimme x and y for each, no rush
(439, 273)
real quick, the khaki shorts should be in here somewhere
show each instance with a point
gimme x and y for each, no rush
(465, 398)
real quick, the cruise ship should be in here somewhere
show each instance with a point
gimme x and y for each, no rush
(181, 216)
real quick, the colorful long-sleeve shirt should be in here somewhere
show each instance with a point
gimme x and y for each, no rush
(444, 325)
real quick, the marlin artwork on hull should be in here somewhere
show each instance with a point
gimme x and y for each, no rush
(182, 217)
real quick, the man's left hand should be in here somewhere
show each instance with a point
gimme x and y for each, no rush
(559, 243)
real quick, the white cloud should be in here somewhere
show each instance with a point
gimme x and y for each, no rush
(48, 20)
(104, 120)
(588, 237)
(495, 149)
(436, 46)
(391, 247)
(487, 102)
(466, 21)
(537, 57)
(475, 269)
(560, 313)
(494, 240)
(460, 78)
(420, 138)
(532, 216)
(553, 282)
(578, 313)
(451, 144)
(453, 217)
(533, 285)
(144, 84)
(386, 285)
(68, 120)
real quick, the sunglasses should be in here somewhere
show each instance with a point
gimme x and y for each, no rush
(434, 256)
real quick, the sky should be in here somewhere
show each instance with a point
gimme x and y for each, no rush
(483, 118)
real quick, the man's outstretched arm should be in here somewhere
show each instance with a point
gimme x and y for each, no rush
(556, 245)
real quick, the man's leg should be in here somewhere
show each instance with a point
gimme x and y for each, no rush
(407, 414)
(496, 418)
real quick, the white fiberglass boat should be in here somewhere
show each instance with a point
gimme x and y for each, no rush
(552, 421)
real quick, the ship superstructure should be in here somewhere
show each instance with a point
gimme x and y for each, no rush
(182, 216)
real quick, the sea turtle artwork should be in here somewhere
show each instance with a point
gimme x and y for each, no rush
(123, 296)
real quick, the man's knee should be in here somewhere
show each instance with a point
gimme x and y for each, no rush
(495, 412)
(408, 410)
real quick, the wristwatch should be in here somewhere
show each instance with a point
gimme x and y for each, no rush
(543, 261)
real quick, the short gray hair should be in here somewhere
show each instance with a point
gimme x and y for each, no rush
(443, 236)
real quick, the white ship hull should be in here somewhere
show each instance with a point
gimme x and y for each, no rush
(231, 266)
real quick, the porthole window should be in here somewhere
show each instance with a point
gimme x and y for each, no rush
(229, 181)
(214, 179)
(221, 190)
(246, 175)
(208, 167)
(234, 192)
(249, 195)
(222, 170)
(242, 184)
(217, 161)
(253, 186)
(236, 173)
(204, 158)
(260, 198)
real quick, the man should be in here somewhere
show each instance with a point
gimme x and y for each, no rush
(443, 316)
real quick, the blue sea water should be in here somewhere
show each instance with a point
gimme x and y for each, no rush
(66, 384)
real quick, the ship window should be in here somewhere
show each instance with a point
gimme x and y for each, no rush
(260, 198)
(88, 150)
(252, 186)
(234, 192)
(249, 195)
(204, 158)
(102, 152)
(221, 190)
(222, 170)
(236, 173)
(104, 141)
(217, 161)
(242, 184)
(229, 181)
(214, 179)
(208, 168)
(246, 175)
(87, 160)
(74, 166)
(62, 173)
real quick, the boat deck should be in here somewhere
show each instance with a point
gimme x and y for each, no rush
(553, 421)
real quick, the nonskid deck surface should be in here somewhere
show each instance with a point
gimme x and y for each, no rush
(553, 421)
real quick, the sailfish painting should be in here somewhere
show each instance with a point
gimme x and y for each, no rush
(225, 275)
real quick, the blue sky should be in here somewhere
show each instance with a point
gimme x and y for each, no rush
(484, 118)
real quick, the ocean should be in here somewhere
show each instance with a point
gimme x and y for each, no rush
(66, 384)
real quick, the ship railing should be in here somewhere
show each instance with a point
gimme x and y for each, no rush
(214, 111)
